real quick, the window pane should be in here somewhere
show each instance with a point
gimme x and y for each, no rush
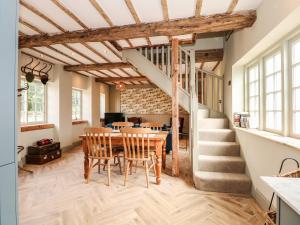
(277, 62)
(277, 82)
(278, 120)
(254, 119)
(277, 101)
(269, 65)
(32, 103)
(76, 104)
(270, 84)
(296, 99)
(270, 120)
(270, 102)
(296, 123)
(253, 73)
(296, 53)
(296, 76)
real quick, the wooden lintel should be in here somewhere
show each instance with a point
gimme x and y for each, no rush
(202, 24)
(100, 66)
(120, 79)
(209, 55)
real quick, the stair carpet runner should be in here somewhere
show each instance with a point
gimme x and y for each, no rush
(220, 167)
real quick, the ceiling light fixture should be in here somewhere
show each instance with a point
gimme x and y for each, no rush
(120, 86)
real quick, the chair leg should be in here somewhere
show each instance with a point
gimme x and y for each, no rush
(131, 163)
(136, 165)
(119, 162)
(153, 163)
(105, 163)
(124, 163)
(108, 172)
(147, 174)
(126, 172)
(99, 165)
(90, 170)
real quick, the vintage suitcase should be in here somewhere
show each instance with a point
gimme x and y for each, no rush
(44, 158)
(43, 150)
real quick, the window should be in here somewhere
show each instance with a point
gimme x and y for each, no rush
(102, 105)
(76, 104)
(295, 89)
(253, 95)
(33, 103)
(273, 92)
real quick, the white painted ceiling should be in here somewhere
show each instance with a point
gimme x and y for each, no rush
(119, 14)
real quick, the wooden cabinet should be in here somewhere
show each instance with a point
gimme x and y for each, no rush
(8, 88)
(8, 209)
(286, 215)
(8, 103)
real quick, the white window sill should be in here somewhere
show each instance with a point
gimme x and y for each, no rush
(287, 141)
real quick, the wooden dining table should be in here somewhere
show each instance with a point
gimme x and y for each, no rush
(157, 142)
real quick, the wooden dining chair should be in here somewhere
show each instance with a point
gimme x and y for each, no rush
(100, 148)
(137, 149)
(156, 126)
(118, 126)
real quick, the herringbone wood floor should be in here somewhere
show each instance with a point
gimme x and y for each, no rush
(57, 195)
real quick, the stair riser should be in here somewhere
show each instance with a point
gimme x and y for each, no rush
(225, 167)
(228, 186)
(219, 150)
(213, 123)
(217, 136)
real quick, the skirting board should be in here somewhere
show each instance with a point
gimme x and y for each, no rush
(261, 199)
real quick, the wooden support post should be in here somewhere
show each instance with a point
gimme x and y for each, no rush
(175, 109)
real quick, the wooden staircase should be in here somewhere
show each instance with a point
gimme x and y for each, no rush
(217, 165)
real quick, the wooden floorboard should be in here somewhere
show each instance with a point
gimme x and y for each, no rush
(57, 195)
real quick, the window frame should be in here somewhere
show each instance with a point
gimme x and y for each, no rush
(81, 94)
(247, 92)
(272, 52)
(291, 42)
(44, 105)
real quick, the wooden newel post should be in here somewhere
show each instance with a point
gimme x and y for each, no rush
(175, 108)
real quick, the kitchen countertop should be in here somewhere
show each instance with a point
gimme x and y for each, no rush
(288, 189)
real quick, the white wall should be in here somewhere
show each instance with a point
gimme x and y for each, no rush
(275, 19)
(263, 157)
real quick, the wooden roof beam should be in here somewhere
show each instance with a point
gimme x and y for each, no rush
(210, 55)
(98, 66)
(213, 23)
(120, 79)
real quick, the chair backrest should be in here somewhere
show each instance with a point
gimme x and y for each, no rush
(153, 125)
(98, 140)
(119, 125)
(136, 143)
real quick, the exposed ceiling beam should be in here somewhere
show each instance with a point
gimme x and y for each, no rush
(212, 34)
(209, 55)
(98, 66)
(198, 8)
(232, 6)
(135, 16)
(164, 6)
(213, 23)
(69, 13)
(120, 79)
